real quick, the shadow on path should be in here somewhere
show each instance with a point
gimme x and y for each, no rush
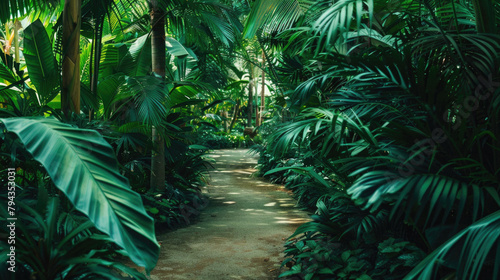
(240, 235)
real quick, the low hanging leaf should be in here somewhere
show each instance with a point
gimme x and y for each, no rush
(83, 166)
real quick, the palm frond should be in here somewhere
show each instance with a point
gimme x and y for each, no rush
(277, 14)
(440, 196)
(335, 20)
(10, 9)
(150, 98)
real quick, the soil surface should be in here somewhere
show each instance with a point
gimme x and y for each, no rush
(241, 232)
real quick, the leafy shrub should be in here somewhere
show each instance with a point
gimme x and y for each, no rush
(320, 257)
(268, 161)
(178, 208)
(54, 244)
(345, 242)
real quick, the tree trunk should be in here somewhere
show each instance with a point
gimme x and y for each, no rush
(257, 118)
(257, 113)
(226, 123)
(158, 57)
(70, 92)
(235, 114)
(250, 102)
(263, 90)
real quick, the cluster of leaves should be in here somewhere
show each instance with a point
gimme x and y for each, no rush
(43, 175)
(172, 211)
(296, 172)
(52, 239)
(345, 242)
(322, 258)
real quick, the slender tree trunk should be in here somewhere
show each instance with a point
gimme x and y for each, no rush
(158, 57)
(70, 92)
(257, 111)
(263, 90)
(235, 114)
(250, 102)
(225, 116)
(257, 118)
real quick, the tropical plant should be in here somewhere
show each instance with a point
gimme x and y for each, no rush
(61, 245)
(82, 165)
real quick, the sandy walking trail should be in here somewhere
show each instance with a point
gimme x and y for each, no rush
(240, 235)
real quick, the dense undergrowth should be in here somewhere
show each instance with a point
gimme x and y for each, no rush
(391, 136)
(343, 241)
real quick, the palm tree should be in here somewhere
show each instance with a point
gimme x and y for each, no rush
(262, 90)
(158, 58)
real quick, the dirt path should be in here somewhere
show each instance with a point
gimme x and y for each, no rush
(239, 235)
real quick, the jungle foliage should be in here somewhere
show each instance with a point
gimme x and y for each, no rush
(394, 136)
(83, 194)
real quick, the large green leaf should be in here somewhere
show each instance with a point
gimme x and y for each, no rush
(83, 166)
(175, 48)
(137, 62)
(337, 18)
(185, 59)
(40, 60)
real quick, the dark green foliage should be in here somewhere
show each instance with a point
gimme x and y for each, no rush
(345, 242)
(54, 244)
(175, 209)
(394, 103)
(323, 258)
